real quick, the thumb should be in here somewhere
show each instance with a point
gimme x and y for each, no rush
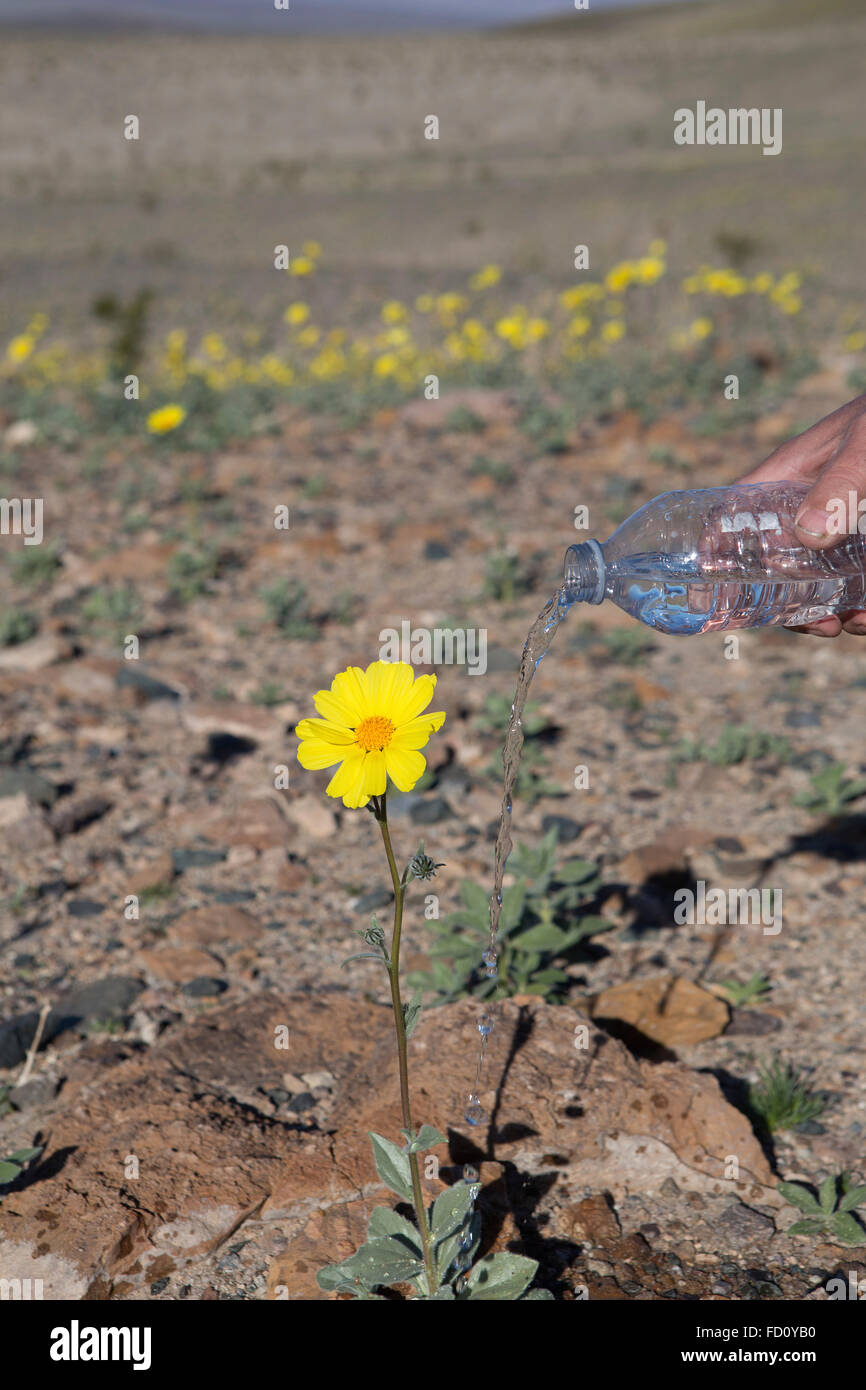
(830, 511)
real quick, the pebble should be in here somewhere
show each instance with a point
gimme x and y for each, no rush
(204, 987)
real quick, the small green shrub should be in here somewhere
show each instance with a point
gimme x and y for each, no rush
(541, 925)
(781, 1098)
(831, 1212)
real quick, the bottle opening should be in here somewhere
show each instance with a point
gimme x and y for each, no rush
(583, 573)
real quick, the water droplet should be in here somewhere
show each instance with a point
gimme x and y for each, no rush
(470, 1172)
(475, 1113)
(485, 1025)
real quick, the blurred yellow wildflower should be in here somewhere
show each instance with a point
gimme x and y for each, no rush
(166, 418)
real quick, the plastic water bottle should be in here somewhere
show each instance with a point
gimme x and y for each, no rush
(716, 558)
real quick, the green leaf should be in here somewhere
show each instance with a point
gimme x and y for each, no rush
(810, 1226)
(385, 1223)
(476, 900)
(513, 900)
(392, 1165)
(427, 1137)
(446, 1250)
(366, 955)
(382, 1261)
(799, 1197)
(844, 1225)
(535, 1294)
(24, 1155)
(575, 871)
(9, 1171)
(587, 926)
(500, 1276)
(544, 937)
(451, 1209)
(854, 1197)
(411, 1014)
(827, 1194)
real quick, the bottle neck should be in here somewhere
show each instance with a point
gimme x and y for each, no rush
(584, 573)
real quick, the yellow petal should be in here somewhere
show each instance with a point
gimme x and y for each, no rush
(323, 729)
(314, 753)
(375, 774)
(387, 684)
(404, 766)
(416, 733)
(416, 698)
(349, 778)
(350, 688)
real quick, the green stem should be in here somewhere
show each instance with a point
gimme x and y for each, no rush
(402, 1049)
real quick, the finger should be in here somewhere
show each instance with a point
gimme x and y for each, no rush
(803, 455)
(830, 509)
(825, 627)
(855, 623)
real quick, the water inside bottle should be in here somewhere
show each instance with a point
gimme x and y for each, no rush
(676, 594)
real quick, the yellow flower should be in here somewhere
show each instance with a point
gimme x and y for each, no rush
(855, 342)
(372, 726)
(658, 247)
(312, 249)
(308, 337)
(394, 312)
(302, 265)
(20, 348)
(701, 328)
(762, 283)
(424, 303)
(612, 332)
(296, 314)
(579, 326)
(168, 417)
(386, 365)
(486, 277)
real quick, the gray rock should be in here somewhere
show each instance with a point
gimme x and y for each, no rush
(745, 1224)
(75, 815)
(101, 1000)
(39, 1091)
(85, 907)
(204, 987)
(566, 828)
(196, 858)
(14, 780)
(431, 811)
(132, 676)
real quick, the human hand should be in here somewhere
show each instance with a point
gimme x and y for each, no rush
(832, 457)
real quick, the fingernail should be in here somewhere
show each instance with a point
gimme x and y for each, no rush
(812, 520)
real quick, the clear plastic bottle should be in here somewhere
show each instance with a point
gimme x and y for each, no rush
(717, 558)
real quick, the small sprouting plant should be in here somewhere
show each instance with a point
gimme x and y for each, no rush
(6, 1105)
(831, 1212)
(36, 565)
(16, 625)
(113, 608)
(627, 646)
(269, 693)
(781, 1098)
(831, 790)
(372, 730)
(14, 1164)
(532, 783)
(541, 925)
(192, 570)
(288, 608)
(742, 993)
(735, 744)
(506, 577)
(465, 421)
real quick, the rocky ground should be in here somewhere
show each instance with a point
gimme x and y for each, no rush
(186, 1154)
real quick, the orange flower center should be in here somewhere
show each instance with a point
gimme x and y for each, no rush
(375, 732)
